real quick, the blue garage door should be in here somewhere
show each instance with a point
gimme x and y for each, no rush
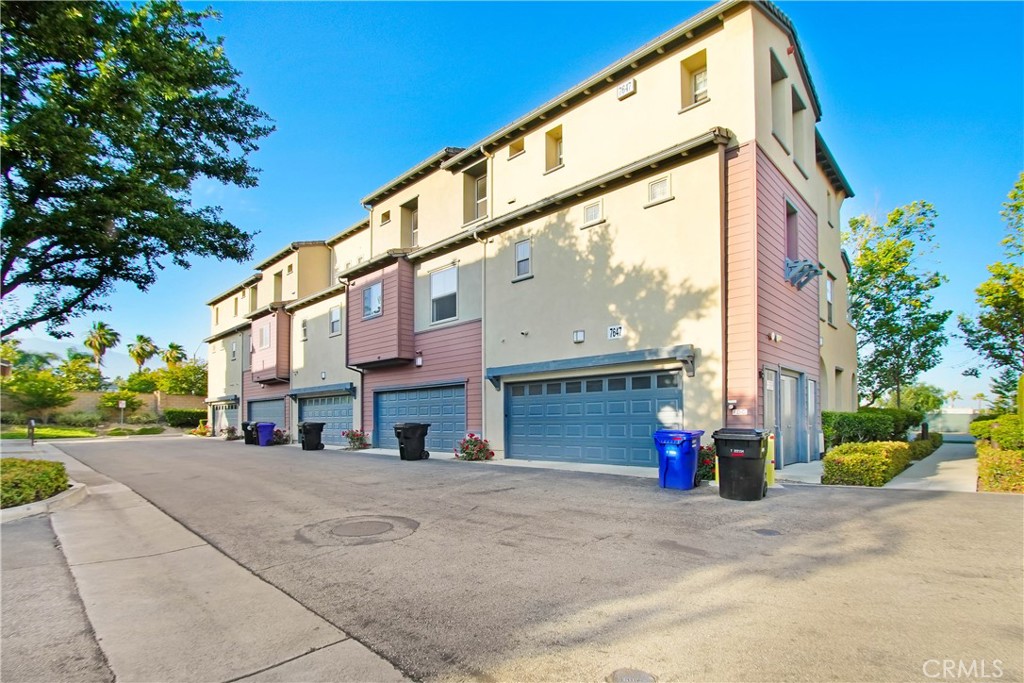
(444, 408)
(606, 420)
(268, 411)
(334, 411)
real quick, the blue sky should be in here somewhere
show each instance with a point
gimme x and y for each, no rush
(920, 101)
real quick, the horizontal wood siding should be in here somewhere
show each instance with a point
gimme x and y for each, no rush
(282, 342)
(782, 309)
(450, 353)
(254, 391)
(389, 335)
(264, 361)
(741, 269)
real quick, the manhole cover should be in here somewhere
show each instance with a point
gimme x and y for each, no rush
(767, 532)
(630, 676)
(369, 528)
(360, 530)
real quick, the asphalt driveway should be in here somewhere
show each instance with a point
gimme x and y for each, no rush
(469, 571)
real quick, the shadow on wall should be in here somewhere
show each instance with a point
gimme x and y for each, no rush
(602, 273)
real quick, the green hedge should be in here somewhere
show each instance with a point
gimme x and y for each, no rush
(840, 428)
(865, 464)
(902, 420)
(1008, 432)
(1000, 469)
(26, 481)
(184, 417)
(79, 419)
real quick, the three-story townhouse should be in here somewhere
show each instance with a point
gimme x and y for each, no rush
(657, 246)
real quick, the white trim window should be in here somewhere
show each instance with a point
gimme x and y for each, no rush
(444, 297)
(414, 227)
(592, 213)
(700, 86)
(480, 196)
(373, 300)
(264, 338)
(305, 329)
(659, 190)
(334, 321)
(234, 350)
(830, 282)
(524, 259)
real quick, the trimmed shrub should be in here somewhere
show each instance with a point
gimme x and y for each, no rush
(982, 429)
(26, 481)
(79, 419)
(865, 464)
(921, 449)
(902, 420)
(184, 417)
(109, 401)
(1008, 432)
(1000, 469)
(143, 419)
(840, 428)
(936, 439)
(11, 417)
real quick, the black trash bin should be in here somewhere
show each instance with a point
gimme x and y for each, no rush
(249, 434)
(741, 461)
(311, 435)
(411, 440)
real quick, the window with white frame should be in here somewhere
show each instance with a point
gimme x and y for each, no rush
(553, 157)
(830, 283)
(305, 330)
(659, 190)
(414, 227)
(373, 300)
(480, 195)
(592, 213)
(263, 342)
(700, 86)
(694, 79)
(234, 350)
(475, 193)
(444, 285)
(334, 321)
(524, 259)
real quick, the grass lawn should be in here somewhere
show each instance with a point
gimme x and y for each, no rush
(48, 432)
(143, 431)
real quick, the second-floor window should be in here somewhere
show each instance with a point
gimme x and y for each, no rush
(234, 350)
(553, 153)
(480, 196)
(414, 228)
(830, 283)
(700, 86)
(305, 330)
(792, 233)
(524, 260)
(444, 285)
(373, 300)
(334, 317)
(263, 341)
(475, 193)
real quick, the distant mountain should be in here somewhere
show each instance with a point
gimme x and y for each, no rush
(115, 363)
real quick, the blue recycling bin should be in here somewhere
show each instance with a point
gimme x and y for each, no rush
(265, 430)
(677, 458)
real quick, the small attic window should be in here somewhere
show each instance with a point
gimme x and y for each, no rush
(516, 147)
(385, 218)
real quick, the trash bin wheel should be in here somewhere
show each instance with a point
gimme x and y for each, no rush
(764, 490)
(426, 455)
(696, 479)
(319, 446)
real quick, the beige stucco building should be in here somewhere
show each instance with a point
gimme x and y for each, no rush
(657, 246)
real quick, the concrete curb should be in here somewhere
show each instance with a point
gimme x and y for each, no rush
(72, 496)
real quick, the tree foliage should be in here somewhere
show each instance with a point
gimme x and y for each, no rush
(899, 336)
(922, 397)
(1004, 388)
(79, 374)
(173, 355)
(142, 349)
(101, 337)
(36, 391)
(997, 331)
(142, 382)
(111, 113)
(185, 378)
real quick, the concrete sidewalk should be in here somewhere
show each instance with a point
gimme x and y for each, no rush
(953, 467)
(165, 605)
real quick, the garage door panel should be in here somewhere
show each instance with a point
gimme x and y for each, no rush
(268, 411)
(609, 420)
(334, 411)
(444, 408)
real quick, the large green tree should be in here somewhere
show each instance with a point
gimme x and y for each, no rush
(174, 355)
(185, 378)
(920, 396)
(80, 374)
(37, 391)
(111, 112)
(996, 332)
(101, 337)
(899, 336)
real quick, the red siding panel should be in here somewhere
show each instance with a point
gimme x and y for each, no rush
(449, 354)
(253, 391)
(389, 336)
(741, 304)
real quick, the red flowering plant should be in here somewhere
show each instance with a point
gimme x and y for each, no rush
(356, 439)
(706, 463)
(474, 448)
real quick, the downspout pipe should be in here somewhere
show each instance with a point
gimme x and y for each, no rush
(724, 244)
(483, 292)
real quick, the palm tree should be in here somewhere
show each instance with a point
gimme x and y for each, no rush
(953, 397)
(174, 354)
(100, 338)
(979, 397)
(142, 350)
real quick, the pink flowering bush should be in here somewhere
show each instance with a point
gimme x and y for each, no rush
(356, 439)
(474, 448)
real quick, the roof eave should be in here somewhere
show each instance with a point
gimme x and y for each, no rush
(831, 168)
(420, 169)
(290, 249)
